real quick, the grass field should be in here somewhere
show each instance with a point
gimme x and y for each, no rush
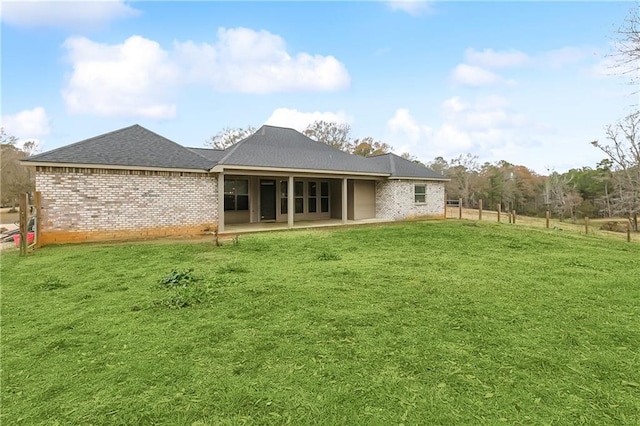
(442, 322)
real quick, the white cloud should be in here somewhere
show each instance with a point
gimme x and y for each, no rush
(481, 127)
(285, 117)
(449, 141)
(27, 124)
(248, 61)
(490, 58)
(412, 7)
(489, 113)
(125, 80)
(484, 124)
(74, 14)
(478, 68)
(135, 78)
(405, 132)
(469, 75)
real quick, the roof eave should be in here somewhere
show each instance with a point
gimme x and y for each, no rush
(419, 178)
(110, 166)
(220, 168)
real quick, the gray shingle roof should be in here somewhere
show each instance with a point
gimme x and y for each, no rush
(132, 146)
(214, 155)
(399, 167)
(287, 148)
(273, 147)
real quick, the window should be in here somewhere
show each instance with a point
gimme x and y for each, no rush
(298, 189)
(420, 192)
(284, 198)
(324, 197)
(312, 200)
(236, 194)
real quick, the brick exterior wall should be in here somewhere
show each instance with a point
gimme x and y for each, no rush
(97, 204)
(395, 199)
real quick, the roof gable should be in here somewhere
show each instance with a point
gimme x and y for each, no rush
(132, 146)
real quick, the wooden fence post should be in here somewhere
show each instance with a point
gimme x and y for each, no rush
(547, 218)
(38, 203)
(459, 208)
(499, 208)
(24, 220)
(586, 225)
(479, 209)
(514, 217)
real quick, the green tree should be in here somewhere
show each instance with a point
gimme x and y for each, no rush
(369, 146)
(463, 171)
(14, 177)
(337, 135)
(228, 136)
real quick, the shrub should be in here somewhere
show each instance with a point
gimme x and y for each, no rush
(178, 278)
(183, 289)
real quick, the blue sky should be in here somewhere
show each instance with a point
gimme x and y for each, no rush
(525, 82)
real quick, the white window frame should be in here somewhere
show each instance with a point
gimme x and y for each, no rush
(416, 194)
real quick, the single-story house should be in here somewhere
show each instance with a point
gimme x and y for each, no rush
(134, 183)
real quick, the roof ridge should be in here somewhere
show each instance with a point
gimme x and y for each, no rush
(393, 165)
(233, 148)
(83, 141)
(176, 144)
(208, 149)
(277, 127)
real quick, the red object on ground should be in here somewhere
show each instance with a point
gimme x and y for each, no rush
(30, 237)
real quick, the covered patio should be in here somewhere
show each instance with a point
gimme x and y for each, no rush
(251, 201)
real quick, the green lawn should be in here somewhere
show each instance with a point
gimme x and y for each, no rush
(418, 323)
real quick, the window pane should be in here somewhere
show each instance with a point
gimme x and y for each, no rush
(324, 204)
(284, 188)
(324, 189)
(299, 188)
(230, 186)
(420, 189)
(229, 202)
(242, 186)
(283, 205)
(313, 205)
(420, 198)
(242, 202)
(299, 205)
(312, 189)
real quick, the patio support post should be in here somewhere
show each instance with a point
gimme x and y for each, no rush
(220, 202)
(290, 204)
(344, 200)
